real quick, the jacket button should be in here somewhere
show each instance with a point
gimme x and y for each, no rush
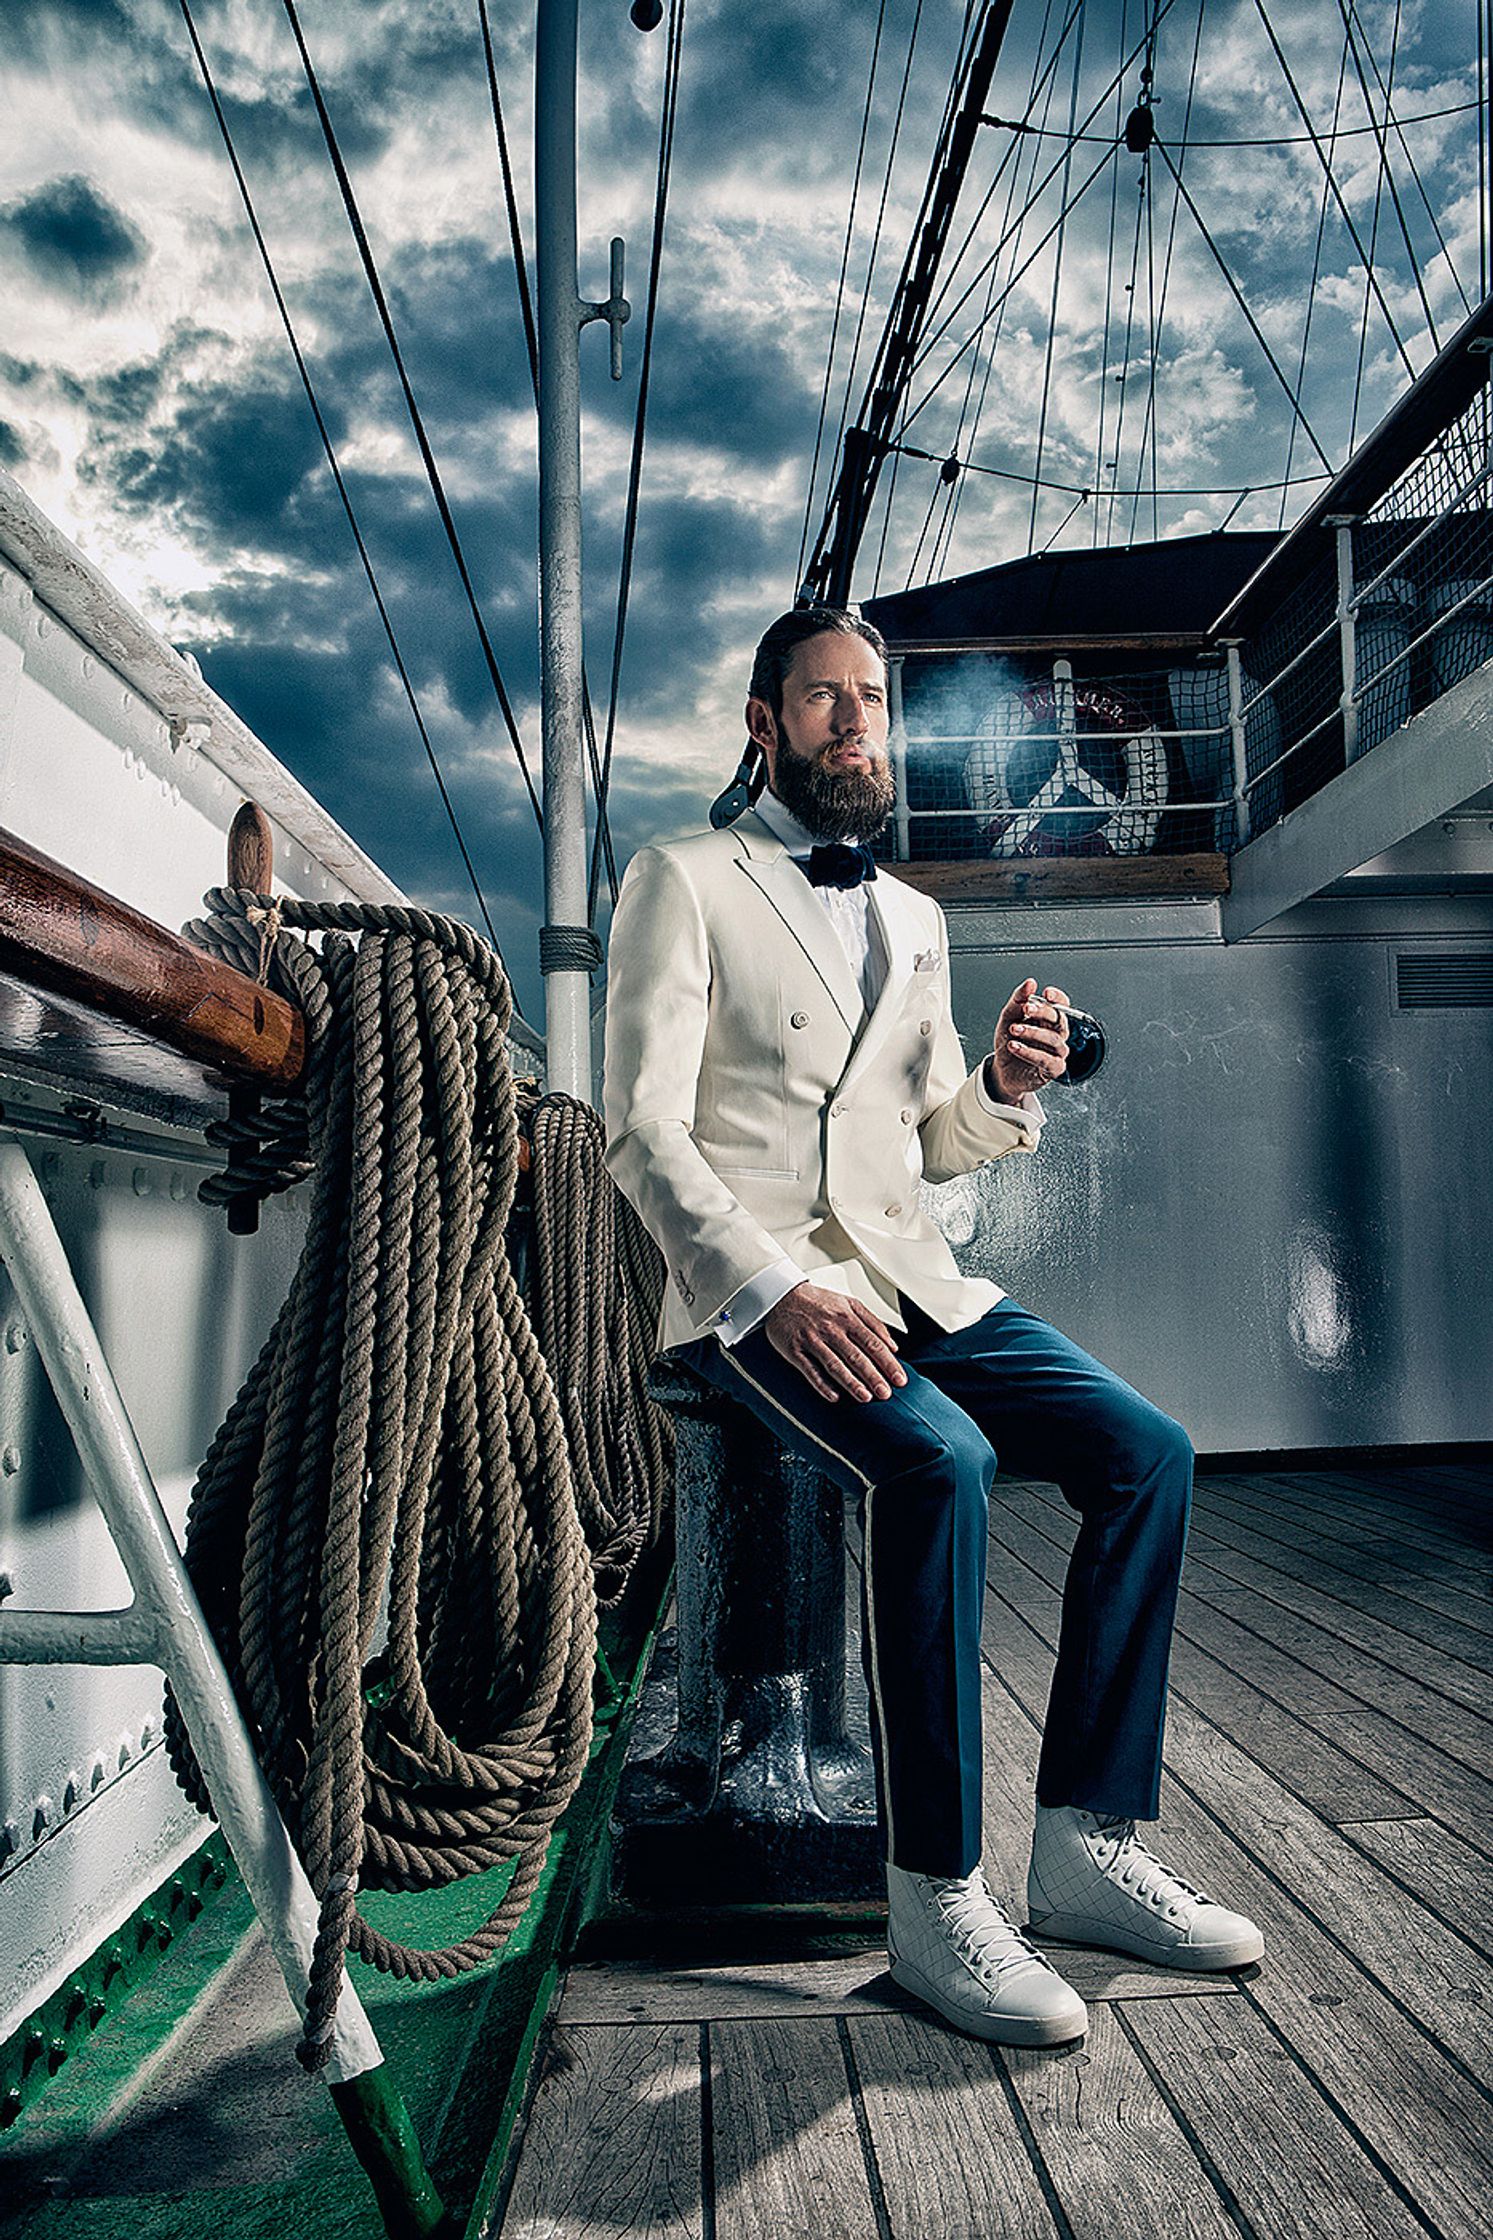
(689, 1298)
(892, 1212)
(799, 1019)
(908, 1116)
(835, 1110)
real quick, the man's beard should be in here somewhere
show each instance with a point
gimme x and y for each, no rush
(834, 804)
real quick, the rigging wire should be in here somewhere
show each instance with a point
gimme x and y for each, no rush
(1066, 211)
(1123, 376)
(1271, 140)
(1109, 295)
(886, 518)
(886, 186)
(510, 199)
(967, 432)
(1386, 176)
(668, 112)
(432, 471)
(1081, 500)
(931, 341)
(1076, 489)
(1159, 321)
(922, 533)
(1235, 290)
(1057, 286)
(1399, 123)
(1363, 324)
(1149, 419)
(1043, 78)
(329, 450)
(1311, 293)
(1346, 213)
(834, 330)
(1482, 156)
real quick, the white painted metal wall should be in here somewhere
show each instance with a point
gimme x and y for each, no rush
(1269, 1208)
(118, 761)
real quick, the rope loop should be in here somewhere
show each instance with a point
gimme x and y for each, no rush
(563, 948)
(385, 1534)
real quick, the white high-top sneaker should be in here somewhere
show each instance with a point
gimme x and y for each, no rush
(951, 1945)
(1094, 1882)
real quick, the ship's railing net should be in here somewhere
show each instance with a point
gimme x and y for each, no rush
(1385, 624)
(1006, 753)
(1017, 754)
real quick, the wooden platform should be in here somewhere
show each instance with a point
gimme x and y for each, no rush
(997, 880)
(1330, 1743)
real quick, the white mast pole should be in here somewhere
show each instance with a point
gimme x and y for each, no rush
(562, 948)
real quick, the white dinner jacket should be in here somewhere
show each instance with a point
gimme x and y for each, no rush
(753, 1110)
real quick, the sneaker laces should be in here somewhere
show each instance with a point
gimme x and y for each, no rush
(991, 1942)
(1156, 1883)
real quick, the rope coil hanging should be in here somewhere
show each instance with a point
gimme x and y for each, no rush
(597, 1282)
(397, 1455)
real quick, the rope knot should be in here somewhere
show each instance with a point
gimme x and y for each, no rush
(269, 920)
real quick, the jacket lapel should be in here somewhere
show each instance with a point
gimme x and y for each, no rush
(774, 873)
(899, 934)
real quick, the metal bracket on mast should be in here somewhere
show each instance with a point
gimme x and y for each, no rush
(616, 310)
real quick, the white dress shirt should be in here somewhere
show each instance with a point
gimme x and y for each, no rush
(849, 913)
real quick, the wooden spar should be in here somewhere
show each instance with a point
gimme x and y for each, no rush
(63, 934)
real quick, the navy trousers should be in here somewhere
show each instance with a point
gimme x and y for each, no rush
(1010, 1387)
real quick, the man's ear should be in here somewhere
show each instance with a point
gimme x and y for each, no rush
(761, 726)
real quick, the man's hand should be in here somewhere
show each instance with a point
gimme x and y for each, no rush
(1031, 1044)
(838, 1344)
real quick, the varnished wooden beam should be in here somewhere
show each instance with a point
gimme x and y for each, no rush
(61, 933)
(1068, 878)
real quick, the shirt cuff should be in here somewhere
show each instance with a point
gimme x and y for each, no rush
(748, 1306)
(1027, 1114)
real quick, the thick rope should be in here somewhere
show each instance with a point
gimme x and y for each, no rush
(397, 1448)
(596, 1285)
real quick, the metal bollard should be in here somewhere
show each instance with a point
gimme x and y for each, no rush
(750, 1776)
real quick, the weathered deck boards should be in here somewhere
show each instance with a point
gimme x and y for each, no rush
(1327, 1748)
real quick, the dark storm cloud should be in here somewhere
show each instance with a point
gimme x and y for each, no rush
(726, 386)
(234, 462)
(693, 555)
(74, 236)
(787, 90)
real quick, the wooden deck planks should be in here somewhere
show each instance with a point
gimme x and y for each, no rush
(1319, 2095)
(1279, 2146)
(1329, 1671)
(788, 2158)
(1118, 2159)
(1354, 2037)
(613, 2143)
(949, 2154)
(1370, 1564)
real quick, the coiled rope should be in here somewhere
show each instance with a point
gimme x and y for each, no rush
(397, 1446)
(596, 1286)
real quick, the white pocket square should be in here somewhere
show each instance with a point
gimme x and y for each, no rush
(928, 960)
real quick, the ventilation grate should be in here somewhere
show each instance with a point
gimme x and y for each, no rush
(1444, 983)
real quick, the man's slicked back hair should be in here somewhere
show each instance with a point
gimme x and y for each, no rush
(782, 639)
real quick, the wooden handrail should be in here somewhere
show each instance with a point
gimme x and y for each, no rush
(62, 933)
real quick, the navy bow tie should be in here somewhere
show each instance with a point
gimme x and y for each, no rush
(837, 865)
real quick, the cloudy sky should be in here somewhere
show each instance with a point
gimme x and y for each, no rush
(149, 403)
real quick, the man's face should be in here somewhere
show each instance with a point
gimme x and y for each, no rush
(826, 754)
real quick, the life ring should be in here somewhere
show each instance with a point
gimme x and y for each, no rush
(1075, 742)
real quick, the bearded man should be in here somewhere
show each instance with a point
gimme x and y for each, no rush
(782, 1073)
